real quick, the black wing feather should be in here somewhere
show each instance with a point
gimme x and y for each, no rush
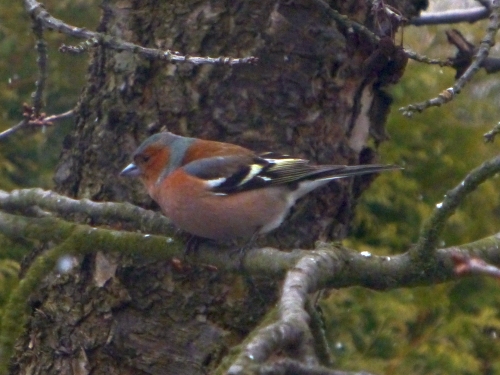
(231, 174)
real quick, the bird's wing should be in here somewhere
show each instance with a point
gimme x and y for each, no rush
(230, 174)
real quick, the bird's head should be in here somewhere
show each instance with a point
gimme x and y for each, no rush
(156, 157)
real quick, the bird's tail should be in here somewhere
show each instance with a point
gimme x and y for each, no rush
(325, 173)
(341, 171)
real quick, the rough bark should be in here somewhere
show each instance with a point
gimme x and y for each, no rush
(312, 94)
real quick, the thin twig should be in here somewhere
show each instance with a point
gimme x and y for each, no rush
(490, 136)
(347, 23)
(424, 59)
(36, 10)
(30, 121)
(41, 49)
(427, 242)
(60, 116)
(79, 48)
(452, 16)
(482, 53)
(391, 13)
(7, 133)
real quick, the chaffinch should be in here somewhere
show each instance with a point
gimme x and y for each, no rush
(222, 191)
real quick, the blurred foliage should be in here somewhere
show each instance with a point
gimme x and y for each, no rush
(9, 269)
(28, 158)
(445, 329)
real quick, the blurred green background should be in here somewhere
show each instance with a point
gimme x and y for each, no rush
(451, 328)
(28, 158)
(445, 329)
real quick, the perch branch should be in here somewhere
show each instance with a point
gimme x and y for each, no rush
(308, 271)
(357, 270)
(145, 220)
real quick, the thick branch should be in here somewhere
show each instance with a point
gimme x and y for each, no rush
(99, 213)
(350, 267)
(292, 328)
(293, 367)
(325, 268)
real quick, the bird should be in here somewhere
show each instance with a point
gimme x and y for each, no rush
(221, 191)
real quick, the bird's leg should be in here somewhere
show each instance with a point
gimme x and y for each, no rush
(193, 244)
(241, 251)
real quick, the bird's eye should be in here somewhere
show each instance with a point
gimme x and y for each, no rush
(142, 159)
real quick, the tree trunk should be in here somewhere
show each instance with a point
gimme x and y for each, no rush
(315, 93)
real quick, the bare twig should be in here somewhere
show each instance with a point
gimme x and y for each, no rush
(346, 22)
(426, 244)
(7, 133)
(33, 115)
(79, 48)
(29, 120)
(424, 59)
(466, 265)
(482, 53)
(37, 11)
(60, 116)
(389, 11)
(490, 136)
(452, 16)
(41, 49)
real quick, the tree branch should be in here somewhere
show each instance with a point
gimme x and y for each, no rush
(490, 135)
(346, 22)
(451, 16)
(433, 227)
(482, 53)
(41, 49)
(292, 367)
(29, 120)
(37, 11)
(359, 269)
(424, 59)
(288, 331)
(99, 213)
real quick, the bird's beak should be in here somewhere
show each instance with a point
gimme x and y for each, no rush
(130, 170)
